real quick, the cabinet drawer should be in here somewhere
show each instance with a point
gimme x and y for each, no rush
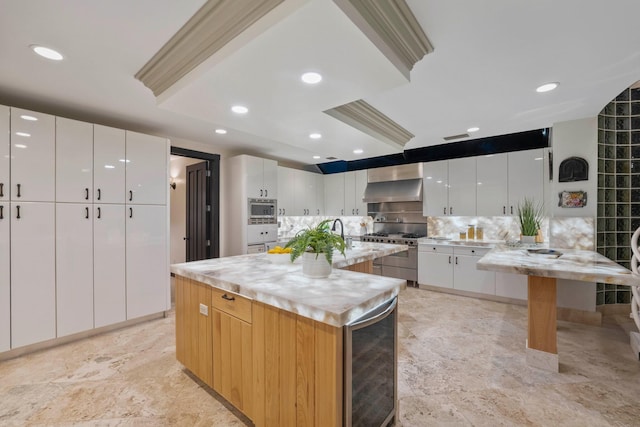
(471, 251)
(231, 303)
(440, 249)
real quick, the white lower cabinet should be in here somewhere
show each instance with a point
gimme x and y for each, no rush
(435, 266)
(74, 268)
(147, 269)
(262, 233)
(109, 290)
(511, 285)
(5, 289)
(33, 273)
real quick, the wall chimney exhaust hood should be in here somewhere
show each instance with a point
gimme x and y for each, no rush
(402, 183)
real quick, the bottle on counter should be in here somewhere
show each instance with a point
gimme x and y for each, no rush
(479, 233)
(463, 235)
(471, 232)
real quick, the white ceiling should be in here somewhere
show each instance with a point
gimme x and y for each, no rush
(489, 56)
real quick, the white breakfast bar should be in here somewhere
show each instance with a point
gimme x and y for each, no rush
(543, 267)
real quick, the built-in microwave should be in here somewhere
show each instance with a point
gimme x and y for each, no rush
(262, 211)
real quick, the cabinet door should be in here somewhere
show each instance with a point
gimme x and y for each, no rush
(270, 179)
(299, 193)
(319, 194)
(525, 177)
(360, 187)
(74, 161)
(146, 174)
(147, 261)
(74, 268)
(310, 193)
(109, 160)
(435, 198)
(33, 273)
(109, 276)
(435, 269)
(467, 278)
(286, 184)
(512, 285)
(349, 193)
(32, 156)
(462, 187)
(334, 194)
(232, 363)
(5, 289)
(5, 153)
(254, 170)
(492, 189)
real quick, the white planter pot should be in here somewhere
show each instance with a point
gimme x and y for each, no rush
(315, 267)
(528, 239)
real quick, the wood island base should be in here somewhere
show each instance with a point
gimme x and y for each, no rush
(542, 342)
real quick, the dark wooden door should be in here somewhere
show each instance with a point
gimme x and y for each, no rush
(196, 238)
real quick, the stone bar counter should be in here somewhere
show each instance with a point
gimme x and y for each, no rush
(543, 266)
(270, 340)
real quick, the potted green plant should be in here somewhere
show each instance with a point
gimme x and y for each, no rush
(313, 242)
(530, 216)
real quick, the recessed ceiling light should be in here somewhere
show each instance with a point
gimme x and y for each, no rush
(20, 146)
(239, 109)
(221, 131)
(23, 134)
(473, 129)
(315, 135)
(30, 118)
(358, 151)
(46, 52)
(311, 78)
(316, 157)
(547, 87)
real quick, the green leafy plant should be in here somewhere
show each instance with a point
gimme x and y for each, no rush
(530, 216)
(317, 240)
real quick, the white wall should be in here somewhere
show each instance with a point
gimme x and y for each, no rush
(177, 200)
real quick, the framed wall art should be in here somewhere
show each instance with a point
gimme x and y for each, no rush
(572, 199)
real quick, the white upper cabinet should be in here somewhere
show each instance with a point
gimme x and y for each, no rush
(5, 288)
(300, 192)
(74, 161)
(147, 181)
(492, 188)
(5, 152)
(286, 182)
(334, 194)
(319, 194)
(32, 156)
(526, 170)
(435, 199)
(74, 268)
(355, 184)
(109, 162)
(262, 177)
(462, 186)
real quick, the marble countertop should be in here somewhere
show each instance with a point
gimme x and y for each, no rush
(337, 300)
(573, 264)
(455, 242)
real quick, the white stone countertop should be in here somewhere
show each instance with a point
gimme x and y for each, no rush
(573, 264)
(454, 242)
(337, 300)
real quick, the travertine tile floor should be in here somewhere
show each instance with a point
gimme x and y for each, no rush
(461, 363)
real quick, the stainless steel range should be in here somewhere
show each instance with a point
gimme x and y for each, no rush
(403, 265)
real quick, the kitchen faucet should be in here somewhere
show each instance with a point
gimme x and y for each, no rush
(333, 227)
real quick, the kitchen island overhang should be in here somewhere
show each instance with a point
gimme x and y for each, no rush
(275, 338)
(542, 269)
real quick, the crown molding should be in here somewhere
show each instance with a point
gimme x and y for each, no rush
(214, 25)
(392, 28)
(362, 116)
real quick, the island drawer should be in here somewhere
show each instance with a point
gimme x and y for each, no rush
(231, 303)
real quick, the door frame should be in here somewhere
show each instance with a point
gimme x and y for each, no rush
(213, 182)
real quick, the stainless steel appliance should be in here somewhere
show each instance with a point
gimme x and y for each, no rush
(260, 247)
(262, 211)
(370, 364)
(403, 265)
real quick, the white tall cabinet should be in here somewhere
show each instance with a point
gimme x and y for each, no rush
(146, 169)
(5, 214)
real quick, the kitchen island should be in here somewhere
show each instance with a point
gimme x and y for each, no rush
(270, 340)
(543, 266)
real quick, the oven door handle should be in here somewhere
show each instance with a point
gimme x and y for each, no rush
(375, 319)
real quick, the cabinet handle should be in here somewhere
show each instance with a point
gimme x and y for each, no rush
(1, 189)
(261, 192)
(456, 260)
(341, 211)
(318, 211)
(266, 193)
(130, 195)
(284, 211)
(357, 211)
(99, 212)
(511, 210)
(86, 194)
(449, 259)
(18, 210)
(1, 212)
(353, 211)
(130, 212)
(18, 195)
(86, 213)
(444, 210)
(99, 195)
(228, 298)
(473, 251)
(504, 210)
(451, 210)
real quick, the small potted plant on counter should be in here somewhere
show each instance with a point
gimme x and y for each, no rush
(530, 218)
(316, 246)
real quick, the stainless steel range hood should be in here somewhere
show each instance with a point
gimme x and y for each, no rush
(394, 184)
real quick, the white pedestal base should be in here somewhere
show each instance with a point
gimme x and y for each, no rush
(541, 359)
(635, 343)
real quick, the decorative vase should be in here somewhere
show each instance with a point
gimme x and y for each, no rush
(315, 265)
(527, 239)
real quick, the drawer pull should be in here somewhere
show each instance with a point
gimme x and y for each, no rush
(228, 298)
